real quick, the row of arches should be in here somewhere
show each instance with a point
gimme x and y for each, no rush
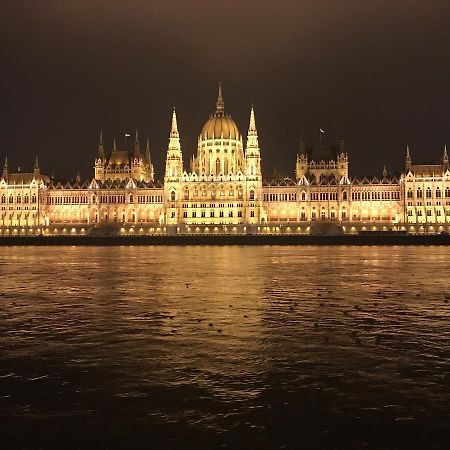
(18, 198)
(428, 193)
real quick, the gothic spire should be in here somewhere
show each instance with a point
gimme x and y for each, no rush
(445, 152)
(220, 105)
(174, 128)
(114, 145)
(137, 152)
(5, 168)
(147, 153)
(408, 159)
(101, 149)
(252, 136)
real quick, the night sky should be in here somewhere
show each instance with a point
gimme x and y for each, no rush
(378, 69)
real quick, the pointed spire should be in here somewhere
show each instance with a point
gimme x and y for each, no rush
(252, 126)
(36, 163)
(5, 168)
(252, 136)
(445, 152)
(101, 149)
(408, 159)
(384, 171)
(137, 152)
(148, 159)
(220, 105)
(78, 178)
(174, 128)
(114, 145)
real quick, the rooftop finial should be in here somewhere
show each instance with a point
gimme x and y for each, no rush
(174, 128)
(408, 156)
(384, 171)
(445, 152)
(36, 163)
(114, 146)
(252, 126)
(220, 106)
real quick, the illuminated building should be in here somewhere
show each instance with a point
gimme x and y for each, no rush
(223, 192)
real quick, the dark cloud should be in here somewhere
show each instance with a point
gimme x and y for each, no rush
(379, 69)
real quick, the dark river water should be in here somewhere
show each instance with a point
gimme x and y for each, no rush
(224, 347)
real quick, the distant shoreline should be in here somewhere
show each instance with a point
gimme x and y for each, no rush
(375, 239)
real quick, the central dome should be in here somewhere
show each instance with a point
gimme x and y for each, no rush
(220, 124)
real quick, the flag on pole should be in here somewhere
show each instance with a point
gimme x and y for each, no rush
(127, 135)
(322, 131)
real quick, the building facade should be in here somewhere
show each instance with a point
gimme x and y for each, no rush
(223, 192)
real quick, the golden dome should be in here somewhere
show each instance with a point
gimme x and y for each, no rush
(220, 123)
(218, 126)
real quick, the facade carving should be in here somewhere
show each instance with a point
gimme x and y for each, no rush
(223, 192)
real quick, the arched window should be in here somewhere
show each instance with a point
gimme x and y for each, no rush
(344, 196)
(217, 166)
(3, 198)
(172, 196)
(303, 196)
(94, 198)
(438, 193)
(11, 199)
(225, 170)
(26, 199)
(186, 194)
(131, 198)
(19, 198)
(419, 193)
(447, 192)
(428, 192)
(252, 195)
(33, 198)
(410, 193)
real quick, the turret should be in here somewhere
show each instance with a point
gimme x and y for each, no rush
(174, 158)
(136, 152)
(150, 173)
(445, 159)
(252, 152)
(36, 169)
(101, 149)
(5, 169)
(408, 159)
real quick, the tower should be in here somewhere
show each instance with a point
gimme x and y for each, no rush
(252, 152)
(408, 159)
(174, 157)
(253, 178)
(150, 172)
(100, 160)
(445, 159)
(5, 169)
(137, 162)
(36, 169)
(173, 173)
(301, 166)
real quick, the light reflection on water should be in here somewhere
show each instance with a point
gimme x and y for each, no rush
(245, 347)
